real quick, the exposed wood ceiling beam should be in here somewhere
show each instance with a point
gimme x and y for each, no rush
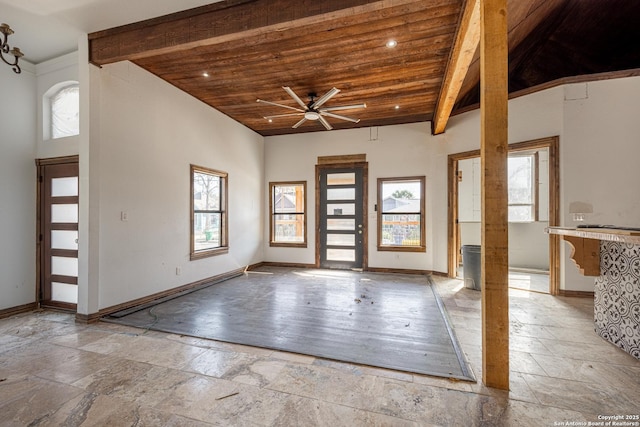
(464, 48)
(251, 48)
(218, 23)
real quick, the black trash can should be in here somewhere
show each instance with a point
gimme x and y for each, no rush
(471, 268)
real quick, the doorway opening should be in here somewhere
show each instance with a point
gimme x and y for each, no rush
(533, 206)
(57, 228)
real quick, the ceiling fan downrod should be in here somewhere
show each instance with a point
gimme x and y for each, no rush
(312, 113)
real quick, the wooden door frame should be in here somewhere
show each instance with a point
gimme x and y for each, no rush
(40, 165)
(551, 143)
(339, 162)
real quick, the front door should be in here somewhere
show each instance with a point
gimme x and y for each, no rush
(58, 229)
(342, 217)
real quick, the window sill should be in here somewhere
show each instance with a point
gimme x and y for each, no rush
(70, 138)
(402, 248)
(208, 253)
(287, 245)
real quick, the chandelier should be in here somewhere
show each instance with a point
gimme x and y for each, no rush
(6, 50)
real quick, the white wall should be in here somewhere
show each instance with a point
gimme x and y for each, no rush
(598, 127)
(17, 186)
(51, 73)
(598, 130)
(401, 150)
(392, 151)
(144, 135)
(599, 153)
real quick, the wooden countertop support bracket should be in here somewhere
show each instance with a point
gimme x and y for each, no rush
(585, 254)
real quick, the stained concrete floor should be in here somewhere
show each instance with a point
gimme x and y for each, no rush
(384, 320)
(55, 372)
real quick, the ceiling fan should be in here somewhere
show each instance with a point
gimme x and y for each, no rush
(314, 109)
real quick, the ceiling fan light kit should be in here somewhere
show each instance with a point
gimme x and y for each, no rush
(313, 110)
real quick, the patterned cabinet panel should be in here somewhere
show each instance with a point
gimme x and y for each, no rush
(617, 296)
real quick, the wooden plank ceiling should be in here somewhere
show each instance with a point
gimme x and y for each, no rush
(252, 48)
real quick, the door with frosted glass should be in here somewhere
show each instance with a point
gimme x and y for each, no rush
(342, 220)
(58, 234)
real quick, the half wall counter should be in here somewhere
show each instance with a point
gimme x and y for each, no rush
(612, 255)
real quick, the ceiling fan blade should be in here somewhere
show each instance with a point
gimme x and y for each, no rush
(324, 123)
(324, 98)
(283, 115)
(279, 105)
(294, 96)
(337, 116)
(344, 107)
(304, 119)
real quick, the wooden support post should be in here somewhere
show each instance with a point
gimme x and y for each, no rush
(493, 152)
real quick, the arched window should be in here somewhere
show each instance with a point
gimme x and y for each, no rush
(65, 111)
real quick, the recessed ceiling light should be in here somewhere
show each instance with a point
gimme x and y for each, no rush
(270, 120)
(392, 43)
(397, 107)
(205, 74)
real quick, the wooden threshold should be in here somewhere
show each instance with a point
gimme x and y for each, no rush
(576, 294)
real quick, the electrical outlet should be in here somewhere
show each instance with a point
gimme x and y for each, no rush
(124, 216)
(178, 271)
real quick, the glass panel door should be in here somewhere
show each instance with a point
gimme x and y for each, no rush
(341, 218)
(58, 234)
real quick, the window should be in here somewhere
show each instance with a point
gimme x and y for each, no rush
(65, 112)
(288, 206)
(522, 187)
(208, 212)
(401, 214)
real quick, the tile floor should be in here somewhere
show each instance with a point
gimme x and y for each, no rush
(529, 281)
(55, 372)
